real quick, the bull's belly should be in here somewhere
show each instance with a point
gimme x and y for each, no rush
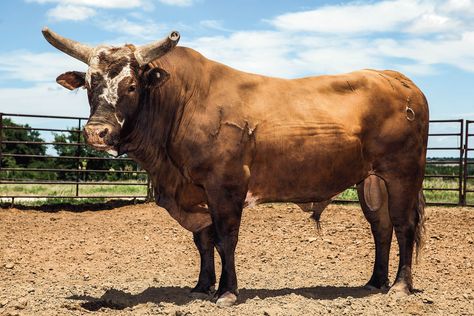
(305, 170)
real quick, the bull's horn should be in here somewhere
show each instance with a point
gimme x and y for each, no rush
(148, 53)
(75, 49)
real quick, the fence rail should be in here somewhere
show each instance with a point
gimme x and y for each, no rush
(453, 177)
(75, 177)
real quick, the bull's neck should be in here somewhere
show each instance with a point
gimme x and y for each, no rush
(163, 106)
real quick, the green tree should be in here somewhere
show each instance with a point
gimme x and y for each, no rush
(89, 164)
(22, 133)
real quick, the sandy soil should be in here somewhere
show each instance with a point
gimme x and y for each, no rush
(135, 260)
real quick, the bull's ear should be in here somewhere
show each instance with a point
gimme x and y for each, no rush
(72, 79)
(156, 77)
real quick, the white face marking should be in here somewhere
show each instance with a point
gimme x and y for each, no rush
(110, 92)
(112, 152)
(94, 64)
(251, 200)
(118, 121)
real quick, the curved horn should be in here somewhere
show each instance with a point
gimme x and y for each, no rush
(148, 53)
(75, 49)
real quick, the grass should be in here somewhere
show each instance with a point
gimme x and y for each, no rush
(431, 196)
(141, 190)
(70, 190)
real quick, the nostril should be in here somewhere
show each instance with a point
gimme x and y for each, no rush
(103, 133)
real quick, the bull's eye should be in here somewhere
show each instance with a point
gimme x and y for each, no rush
(132, 88)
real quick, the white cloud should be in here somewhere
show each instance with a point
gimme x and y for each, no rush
(70, 12)
(355, 17)
(36, 67)
(261, 52)
(142, 30)
(107, 4)
(45, 98)
(214, 24)
(179, 3)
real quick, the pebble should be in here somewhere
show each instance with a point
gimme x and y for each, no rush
(9, 265)
(428, 300)
(21, 304)
(467, 296)
(86, 277)
(146, 238)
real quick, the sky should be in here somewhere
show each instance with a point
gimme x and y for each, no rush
(431, 41)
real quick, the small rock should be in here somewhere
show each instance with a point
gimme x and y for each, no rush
(266, 313)
(329, 241)
(467, 296)
(428, 300)
(146, 238)
(30, 290)
(89, 252)
(312, 239)
(9, 265)
(21, 304)
(86, 277)
(3, 303)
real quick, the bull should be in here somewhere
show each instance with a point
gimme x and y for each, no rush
(214, 139)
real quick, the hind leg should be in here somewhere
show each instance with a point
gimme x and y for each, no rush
(404, 216)
(373, 192)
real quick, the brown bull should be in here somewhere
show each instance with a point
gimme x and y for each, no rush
(214, 139)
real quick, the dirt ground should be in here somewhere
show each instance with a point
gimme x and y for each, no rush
(136, 260)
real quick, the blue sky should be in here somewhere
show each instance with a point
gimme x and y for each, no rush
(431, 41)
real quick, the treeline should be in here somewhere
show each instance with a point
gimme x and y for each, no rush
(23, 133)
(447, 166)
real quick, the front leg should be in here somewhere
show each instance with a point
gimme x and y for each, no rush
(204, 240)
(226, 205)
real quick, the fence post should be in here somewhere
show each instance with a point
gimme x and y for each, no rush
(78, 154)
(149, 190)
(1, 139)
(461, 169)
(465, 173)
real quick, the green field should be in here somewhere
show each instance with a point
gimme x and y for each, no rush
(431, 196)
(141, 190)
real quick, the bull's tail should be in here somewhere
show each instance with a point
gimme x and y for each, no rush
(420, 229)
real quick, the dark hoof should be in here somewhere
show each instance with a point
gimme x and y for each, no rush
(201, 294)
(376, 286)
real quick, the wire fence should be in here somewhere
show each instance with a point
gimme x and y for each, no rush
(61, 165)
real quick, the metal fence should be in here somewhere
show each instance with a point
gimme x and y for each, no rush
(468, 171)
(77, 174)
(449, 180)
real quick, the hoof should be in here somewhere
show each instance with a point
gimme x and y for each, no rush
(202, 294)
(227, 299)
(370, 287)
(399, 289)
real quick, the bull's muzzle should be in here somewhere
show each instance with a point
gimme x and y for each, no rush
(99, 136)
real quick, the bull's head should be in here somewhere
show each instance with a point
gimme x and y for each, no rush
(115, 81)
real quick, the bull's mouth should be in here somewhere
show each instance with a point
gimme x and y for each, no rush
(111, 150)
